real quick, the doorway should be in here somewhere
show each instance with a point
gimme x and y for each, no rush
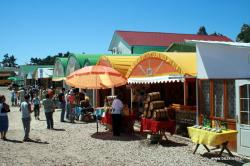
(242, 88)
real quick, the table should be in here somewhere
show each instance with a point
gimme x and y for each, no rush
(127, 123)
(158, 126)
(204, 137)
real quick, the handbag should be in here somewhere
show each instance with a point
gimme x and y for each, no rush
(5, 108)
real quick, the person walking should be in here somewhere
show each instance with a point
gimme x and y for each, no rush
(61, 99)
(117, 107)
(48, 110)
(36, 104)
(25, 108)
(12, 97)
(4, 121)
(71, 106)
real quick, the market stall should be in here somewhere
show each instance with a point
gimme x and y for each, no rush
(223, 94)
(128, 117)
(121, 63)
(59, 72)
(171, 74)
(78, 61)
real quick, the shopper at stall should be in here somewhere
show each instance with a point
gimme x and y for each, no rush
(71, 106)
(4, 121)
(25, 108)
(117, 107)
(48, 110)
(61, 98)
(36, 104)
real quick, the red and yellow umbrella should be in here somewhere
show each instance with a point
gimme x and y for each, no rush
(95, 77)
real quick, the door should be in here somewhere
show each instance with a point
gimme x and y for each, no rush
(243, 116)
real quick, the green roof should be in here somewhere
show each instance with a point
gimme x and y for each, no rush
(26, 69)
(84, 59)
(181, 47)
(63, 61)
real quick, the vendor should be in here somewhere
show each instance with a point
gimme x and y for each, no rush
(85, 105)
(117, 107)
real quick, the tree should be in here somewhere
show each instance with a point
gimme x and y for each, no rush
(49, 60)
(36, 61)
(9, 61)
(244, 35)
(216, 34)
(202, 31)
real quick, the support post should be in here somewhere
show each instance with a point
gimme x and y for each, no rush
(197, 102)
(113, 91)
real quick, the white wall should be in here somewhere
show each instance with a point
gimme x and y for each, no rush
(118, 42)
(222, 61)
(123, 47)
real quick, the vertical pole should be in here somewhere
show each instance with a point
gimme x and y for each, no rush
(185, 91)
(113, 91)
(197, 102)
(94, 98)
(131, 98)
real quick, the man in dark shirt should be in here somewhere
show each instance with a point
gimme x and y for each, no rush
(61, 98)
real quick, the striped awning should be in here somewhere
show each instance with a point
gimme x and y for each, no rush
(156, 79)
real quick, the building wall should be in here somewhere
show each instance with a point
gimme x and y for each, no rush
(72, 66)
(211, 59)
(58, 70)
(143, 49)
(123, 48)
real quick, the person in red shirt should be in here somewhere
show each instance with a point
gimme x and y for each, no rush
(71, 106)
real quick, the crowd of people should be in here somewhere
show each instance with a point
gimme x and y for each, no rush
(74, 105)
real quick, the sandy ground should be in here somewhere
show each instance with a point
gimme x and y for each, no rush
(79, 144)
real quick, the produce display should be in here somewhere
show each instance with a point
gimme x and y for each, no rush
(154, 107)
(217, 130)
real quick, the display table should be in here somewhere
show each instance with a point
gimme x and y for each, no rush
(127, 124)
(158, 126)
(204, 137)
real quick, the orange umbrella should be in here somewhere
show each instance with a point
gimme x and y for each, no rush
(95, 77)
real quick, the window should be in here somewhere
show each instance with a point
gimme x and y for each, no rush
(218, 98)
(244, 104)
(206, 97)
(231, 98)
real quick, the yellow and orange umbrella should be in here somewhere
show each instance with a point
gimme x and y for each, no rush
(95, 77)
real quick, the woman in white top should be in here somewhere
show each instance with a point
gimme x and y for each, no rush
(117, 107)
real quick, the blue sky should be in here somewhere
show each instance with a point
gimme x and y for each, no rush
(37, 28)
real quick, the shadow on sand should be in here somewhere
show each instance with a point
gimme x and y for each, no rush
(13, 141)
(225, 158)
(55, 129)
(109, 136)
(38, 141)
(169, 143)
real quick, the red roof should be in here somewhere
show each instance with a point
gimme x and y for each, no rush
(163, 39)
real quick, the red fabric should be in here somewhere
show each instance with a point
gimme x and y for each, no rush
(107, 119)
(155, 126)
(163, 39)
(126, 120)
(71, 99)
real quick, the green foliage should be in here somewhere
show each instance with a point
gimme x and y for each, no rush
(202, 31)
(216, 34)
(49, 60)
(244, 35)
(9, 61)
